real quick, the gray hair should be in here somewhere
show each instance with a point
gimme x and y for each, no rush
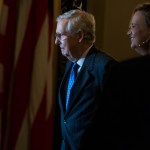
(79, 20)
(145, 8)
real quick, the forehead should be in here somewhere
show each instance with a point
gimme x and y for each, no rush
(61, 26)
(138, 18)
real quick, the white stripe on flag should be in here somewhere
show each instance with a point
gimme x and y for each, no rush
(23, 15)
(40, 70)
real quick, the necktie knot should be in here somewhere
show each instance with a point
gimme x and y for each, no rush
(75, 68)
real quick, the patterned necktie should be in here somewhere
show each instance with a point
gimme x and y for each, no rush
(72, 78)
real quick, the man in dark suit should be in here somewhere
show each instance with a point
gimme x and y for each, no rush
(126, 105)
(78, 122)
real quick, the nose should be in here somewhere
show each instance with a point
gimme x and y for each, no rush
(56, 41)
(129, 32)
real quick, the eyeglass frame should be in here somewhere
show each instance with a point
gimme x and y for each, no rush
(62, 37)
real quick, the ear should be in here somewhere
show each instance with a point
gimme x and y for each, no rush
(81, 36)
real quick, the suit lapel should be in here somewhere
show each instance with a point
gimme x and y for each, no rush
(63, 87)
(82, 79)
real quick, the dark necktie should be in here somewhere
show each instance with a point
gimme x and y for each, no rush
(72, 78)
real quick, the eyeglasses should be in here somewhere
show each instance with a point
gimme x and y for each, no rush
(62, 37)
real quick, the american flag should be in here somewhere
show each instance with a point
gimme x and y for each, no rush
(27, 74)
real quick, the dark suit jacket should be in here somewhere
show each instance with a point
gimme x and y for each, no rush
(126, 105)
(79, 124)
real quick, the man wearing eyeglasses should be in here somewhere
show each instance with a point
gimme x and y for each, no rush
(79, 126)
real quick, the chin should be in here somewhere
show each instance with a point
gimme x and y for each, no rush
(134, 46)
(64, 54)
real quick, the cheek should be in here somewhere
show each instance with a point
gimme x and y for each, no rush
(141, 35)
(69, 46)
(136, 38)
